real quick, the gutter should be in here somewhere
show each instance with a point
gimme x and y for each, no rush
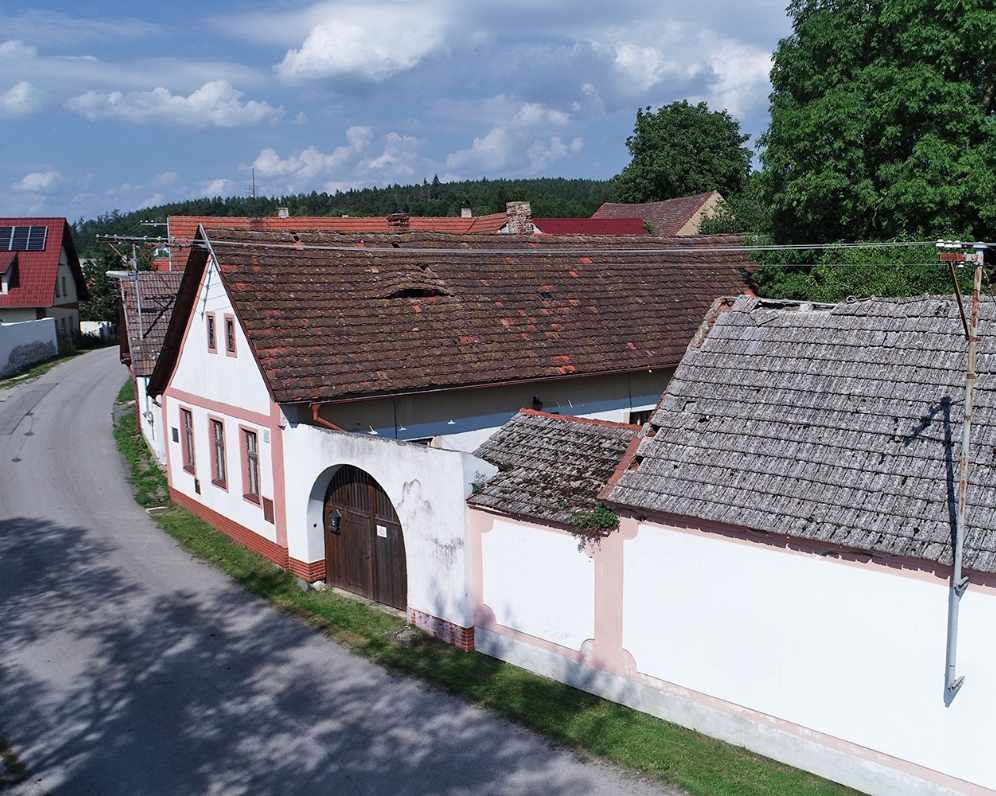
(321, 421)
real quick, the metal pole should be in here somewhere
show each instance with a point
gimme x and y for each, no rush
(959, 583)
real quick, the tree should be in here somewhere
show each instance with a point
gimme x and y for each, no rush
(683, 149)
(746, 211)
(104, 297)
(882, 121)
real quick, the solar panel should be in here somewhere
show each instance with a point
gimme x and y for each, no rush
(23, 239)
(36, 239)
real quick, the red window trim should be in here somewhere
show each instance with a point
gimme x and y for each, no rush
(244, 432)
(230, 338)
(187, 440)
(221, 483)
(211, 329)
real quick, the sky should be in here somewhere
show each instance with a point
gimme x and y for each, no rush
(107, 107)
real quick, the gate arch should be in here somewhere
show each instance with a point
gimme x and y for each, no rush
(364, 542)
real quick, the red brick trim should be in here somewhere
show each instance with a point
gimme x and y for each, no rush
(310, 571)
(462, 637)
(241, 534)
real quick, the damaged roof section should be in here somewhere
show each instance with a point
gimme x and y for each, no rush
(550, 466)
(837, 424)
(148, 299)
(335, 317)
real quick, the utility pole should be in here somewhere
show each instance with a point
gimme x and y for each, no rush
(959, 583)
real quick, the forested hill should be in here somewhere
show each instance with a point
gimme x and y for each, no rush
(550, 198)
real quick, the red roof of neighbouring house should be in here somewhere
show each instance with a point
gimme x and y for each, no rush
(335, 317)
(590, 226)
(668, 217)
(37, 271)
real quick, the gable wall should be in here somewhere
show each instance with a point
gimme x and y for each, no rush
(214, 385)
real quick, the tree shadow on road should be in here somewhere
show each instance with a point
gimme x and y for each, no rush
(108, 687)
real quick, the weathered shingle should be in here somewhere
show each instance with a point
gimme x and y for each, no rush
(340, 317)
(840, 424)
(155, 293)
(550, 466)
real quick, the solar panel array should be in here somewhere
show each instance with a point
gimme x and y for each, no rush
(23, 239)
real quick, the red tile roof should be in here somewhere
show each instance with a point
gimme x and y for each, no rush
(668, 217)
(590, 226)
(37, 271)
(446, 311)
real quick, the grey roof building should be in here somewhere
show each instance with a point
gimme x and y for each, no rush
(837, 424)
(550, 466)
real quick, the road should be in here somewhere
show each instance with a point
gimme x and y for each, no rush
(129, 667)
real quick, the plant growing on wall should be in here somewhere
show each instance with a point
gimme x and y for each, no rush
(595, 524)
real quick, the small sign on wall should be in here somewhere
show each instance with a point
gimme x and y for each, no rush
(382, 531)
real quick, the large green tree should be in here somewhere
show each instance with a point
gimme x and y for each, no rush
(882, 121)
(683, 149)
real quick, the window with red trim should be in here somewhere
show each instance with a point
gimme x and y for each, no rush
(187, 439)
(251, 473)
(230, 335)
(218, 472)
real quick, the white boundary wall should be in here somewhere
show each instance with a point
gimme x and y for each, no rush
(23, 344)
(831, 665)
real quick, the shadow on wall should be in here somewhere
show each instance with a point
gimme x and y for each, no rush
(127, 692)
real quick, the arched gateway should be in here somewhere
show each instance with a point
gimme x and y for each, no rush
(364, 545)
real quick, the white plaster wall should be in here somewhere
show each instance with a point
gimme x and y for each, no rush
(538, 582)
(218, 376)
(151, 419)
(15, 336)
(856, 652)
(18, 314)
(428, 488)
(230, 502)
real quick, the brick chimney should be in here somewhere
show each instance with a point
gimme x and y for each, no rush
(520, 218)
(398, 222)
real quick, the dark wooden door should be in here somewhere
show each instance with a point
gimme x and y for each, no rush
(365, 549)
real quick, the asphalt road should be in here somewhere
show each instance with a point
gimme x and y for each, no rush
(129, 667)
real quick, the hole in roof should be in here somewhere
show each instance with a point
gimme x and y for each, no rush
(546, 296)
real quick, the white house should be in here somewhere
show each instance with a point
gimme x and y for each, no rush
(322, 392)
(40, 275)
(147, 299)
(781, 574)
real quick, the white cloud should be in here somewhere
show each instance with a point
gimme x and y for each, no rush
(216, 104)
(39, 182)
(520, 145)
(743, 82)
(371, 40)
(399, 157)
(645, 66)
(311, 163)
(15, 50)
(20, 100)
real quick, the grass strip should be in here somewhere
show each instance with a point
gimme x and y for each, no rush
(662, 751)
(40, 369)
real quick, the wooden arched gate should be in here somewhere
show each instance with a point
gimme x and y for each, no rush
(364, 545)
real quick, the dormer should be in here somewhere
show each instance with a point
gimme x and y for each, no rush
(8, 272)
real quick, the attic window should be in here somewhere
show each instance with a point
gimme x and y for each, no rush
(546, 296)
(417, 292)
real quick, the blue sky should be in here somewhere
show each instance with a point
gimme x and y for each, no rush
(104, 106)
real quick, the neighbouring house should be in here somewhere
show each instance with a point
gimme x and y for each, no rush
(323, 392)
(681, 216)
(780, 576)
(517, 218)
(147, 301)
(40, 274)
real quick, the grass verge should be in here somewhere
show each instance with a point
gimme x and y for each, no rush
(588, 724)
